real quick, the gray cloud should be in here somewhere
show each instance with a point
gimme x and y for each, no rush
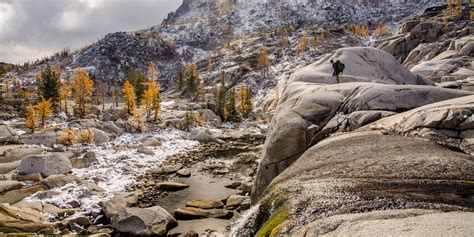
(31, 29)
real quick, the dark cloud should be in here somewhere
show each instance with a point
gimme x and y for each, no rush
(31, 29)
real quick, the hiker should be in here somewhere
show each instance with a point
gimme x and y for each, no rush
(338, 67)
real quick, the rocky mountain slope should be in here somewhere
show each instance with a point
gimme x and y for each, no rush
(200, 28)
(340, 157)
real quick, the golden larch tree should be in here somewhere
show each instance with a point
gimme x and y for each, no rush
(201, 92)
(130, 96)
(152, 72)
(303, 44)
(264, 60)
(82, 86)
(68, 137)
(44, 110)
(149, 96)
(64, 94)
(87, 136)
(31, 119)
(209, 63)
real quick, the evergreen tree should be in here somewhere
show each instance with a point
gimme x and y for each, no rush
(49, 83)
(233, 114)
(180, 78)
(137, 80)
(221, 99)
(192, 80)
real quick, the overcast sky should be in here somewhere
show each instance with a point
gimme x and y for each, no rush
(31, 29)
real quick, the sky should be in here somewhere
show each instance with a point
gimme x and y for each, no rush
(32, 29)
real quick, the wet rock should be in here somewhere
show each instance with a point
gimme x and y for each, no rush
(47, 164)
(171, 186)
(205, 204)
(7, 185)
(184, 173)
(78, 224)
(30, 177)
(246, 187)
(18, 220)
(59, 180)
(234, 201)
(450, 84)
(14, 196)
(143, 221)
(145, 150)
(233, 185)
(168, 169)
(46, 208)
(118, 202)
(190, 213)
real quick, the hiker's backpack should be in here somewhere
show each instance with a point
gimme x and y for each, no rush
(342, 67)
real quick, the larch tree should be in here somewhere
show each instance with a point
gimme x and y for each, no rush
(64, 94)
(201, 97)
(264, 61)
(233, 114)
(157, 101)
(209, 63)
(44, 110)
(82, 86)
(245, 100)
(101, 93)
(192, 80)
(49, 83)
(180, 78)
(149, 97)
(137, 79)
(303, 44)
(129, 95)
(152, 72)
(31, 119)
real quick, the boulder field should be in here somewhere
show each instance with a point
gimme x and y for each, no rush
(368, 156)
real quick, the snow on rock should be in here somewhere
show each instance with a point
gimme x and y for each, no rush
(117, 167)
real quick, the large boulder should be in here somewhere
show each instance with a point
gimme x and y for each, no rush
(449, 123)
(309, 112)
(362, 65)
(7, 134)
(46, 164)
(16, 153)
(46, 139)
(100, 137)
(120, 201)
(366, 171)
(153, 221)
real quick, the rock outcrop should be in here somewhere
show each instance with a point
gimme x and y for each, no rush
(367, 171)
(449, 123)
(361, 65)
(309, 112)
(153, 221)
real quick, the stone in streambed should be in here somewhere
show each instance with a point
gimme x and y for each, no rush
(171, 186)
(154, 221)
(205, 204)
(190, 213)
(168, 169)
(184, 173)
